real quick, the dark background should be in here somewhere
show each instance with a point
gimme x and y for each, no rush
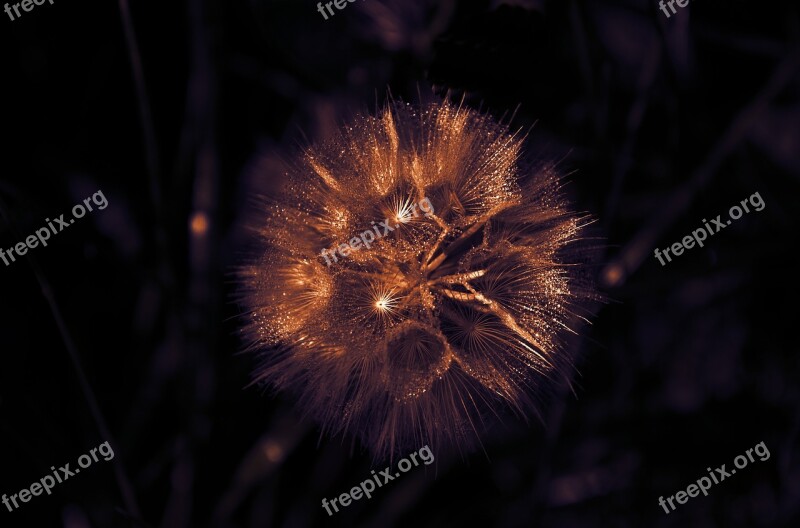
(661, 122)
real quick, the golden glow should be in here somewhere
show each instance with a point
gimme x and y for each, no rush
(273, 451)
(386, 301)
(199, 223)
(404, 210)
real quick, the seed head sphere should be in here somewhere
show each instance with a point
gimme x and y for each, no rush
(441, 323)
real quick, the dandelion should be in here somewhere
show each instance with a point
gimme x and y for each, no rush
(454, 315)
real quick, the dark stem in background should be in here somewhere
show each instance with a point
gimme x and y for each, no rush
(200, 318)
(166, 271)
(633, 123)
(120, 474)
(634, 253)
(145, 114)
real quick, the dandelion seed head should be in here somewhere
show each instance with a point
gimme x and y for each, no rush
(449, 314)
